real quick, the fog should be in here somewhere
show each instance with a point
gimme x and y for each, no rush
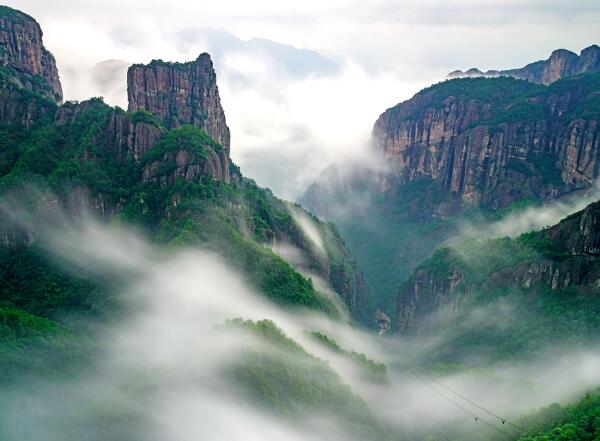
(158, 371)
(532, 218)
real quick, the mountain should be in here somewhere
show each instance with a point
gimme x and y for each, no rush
(460, 148)
(24, 59)
(163, 167)
(491, 142)
(561, 63)
(509, 297)
(180, 93)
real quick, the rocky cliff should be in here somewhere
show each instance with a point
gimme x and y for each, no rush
(162, 166)
(458, 147)
(561, 64)
(563, 258)
(23, 56)
(492, 141)
(180, 93)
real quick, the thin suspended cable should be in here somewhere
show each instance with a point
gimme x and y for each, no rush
(502, 419)
(476, 417)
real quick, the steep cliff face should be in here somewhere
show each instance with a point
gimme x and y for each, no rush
(561, 64)
(20, 107)
(494, 141)
(187, 154)
(458, 147)
(127, 135)
(163, 166)
(24, 57)
(180, 93)
(564, 258)
(429, 302)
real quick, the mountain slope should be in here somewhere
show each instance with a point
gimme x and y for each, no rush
(492, 141)
(472, 147)
(509, 297)
(182, 180)
(160, 172)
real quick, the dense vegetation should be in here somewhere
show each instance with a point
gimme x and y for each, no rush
(65, 157)
(51, 155)
(517, 101)
(530, 315)
(70, 154)
(577, 422)
(395, 230)
(505, 95)
(295, 384)
(371, 370)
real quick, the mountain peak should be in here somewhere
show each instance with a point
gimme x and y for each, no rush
(561, 63)
(179, 94)
(24, 58)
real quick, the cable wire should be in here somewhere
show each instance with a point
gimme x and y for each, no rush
(502, 419)
(476, 417)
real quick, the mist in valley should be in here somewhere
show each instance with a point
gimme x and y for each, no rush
(435, 279)
(160, 370)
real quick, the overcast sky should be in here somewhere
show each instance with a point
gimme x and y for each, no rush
(302, 82)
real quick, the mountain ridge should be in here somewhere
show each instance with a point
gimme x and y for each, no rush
(157, 166)
(561, 63)
(24, 57)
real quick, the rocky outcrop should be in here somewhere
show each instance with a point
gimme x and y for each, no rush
(187, 166)
(578, 234)
(481, 140)
(429, 301)
(90, 158)
(180, 93)
(561, 64)
(566, 257)
(19, 107)
(124, 134)
(383, 322)
(23, 56)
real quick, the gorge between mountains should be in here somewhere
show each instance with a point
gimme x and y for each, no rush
(445, 287)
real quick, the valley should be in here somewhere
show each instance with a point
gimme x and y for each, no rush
(150, 290)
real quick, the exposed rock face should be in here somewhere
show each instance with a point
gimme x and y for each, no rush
(19, 107)
(185, 165)
(429, 301)
(347, 279)
(492, 150)
(30, 65)
(579, 234)
(133, 138)
(124, 135)
(180, 93)
(433, 298)
(562, 63)
(383, 322)
(89, 157)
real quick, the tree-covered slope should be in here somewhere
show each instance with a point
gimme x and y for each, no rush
(292, 382)
(509, 297)
(455, 148)
(165, 177)
(578, 421)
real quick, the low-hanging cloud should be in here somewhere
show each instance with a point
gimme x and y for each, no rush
(157, 373)
(531, 218)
